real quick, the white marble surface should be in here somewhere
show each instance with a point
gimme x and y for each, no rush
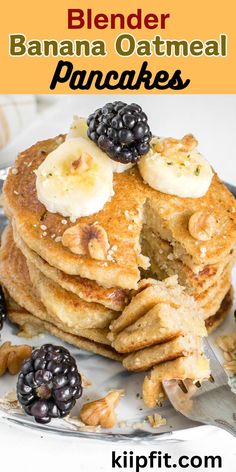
(213, 120)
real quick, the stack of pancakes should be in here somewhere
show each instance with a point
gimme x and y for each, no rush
(161, 329)
(76, 296)
(203, 267)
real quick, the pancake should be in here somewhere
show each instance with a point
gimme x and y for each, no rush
(122, 218)
(88, 290)
(178, 347)
(27, 211)
(214, 304)
(159, 325)
(63, 305)
(214, 321)
(215, 292)
(21, 317)
(194, 367)
(167, 293)
(157, 314)
(164, 264)
(147, 358)
(168, 216)
(14, 276)
(66, 306)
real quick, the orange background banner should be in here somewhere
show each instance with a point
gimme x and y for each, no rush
(188, 20)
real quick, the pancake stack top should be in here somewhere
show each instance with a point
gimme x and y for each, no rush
(139, 229)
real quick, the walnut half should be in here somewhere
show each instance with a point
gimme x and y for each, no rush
(87, 240)
(202, 225)
(101, 412)
(12, 357)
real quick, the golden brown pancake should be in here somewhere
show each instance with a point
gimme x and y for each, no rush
(215, 291)
(214, 321)
(165, 264)
(14, 276)
(147, 358)
(66, 306)
(88, 290)
(194, 367)
(161, 324)
(21, 317)
(167, 293)
(27, 211)
(157, 314)
(214, 304)
(122, 218)
(63, 305)
(168, 217)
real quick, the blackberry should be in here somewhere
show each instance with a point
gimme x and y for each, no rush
(3, 308)
(49, 383)
(120, 130)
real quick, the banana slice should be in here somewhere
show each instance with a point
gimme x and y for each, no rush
(75, 180)
(176, 167)
(118, 167)
(78, 129)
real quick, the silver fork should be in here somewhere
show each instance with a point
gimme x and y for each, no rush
(211, 402)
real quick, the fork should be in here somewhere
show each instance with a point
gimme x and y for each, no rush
(211, 402)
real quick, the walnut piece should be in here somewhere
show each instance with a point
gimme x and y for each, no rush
(156, 420)
(12, 357)
(9, 402)
(168, 146)
(202, 225)
(83, 163)
(188, 142)
(152, 391)
(228, 345)
(101, 412)
(29, 331)
(87, 240)
(85, 381)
